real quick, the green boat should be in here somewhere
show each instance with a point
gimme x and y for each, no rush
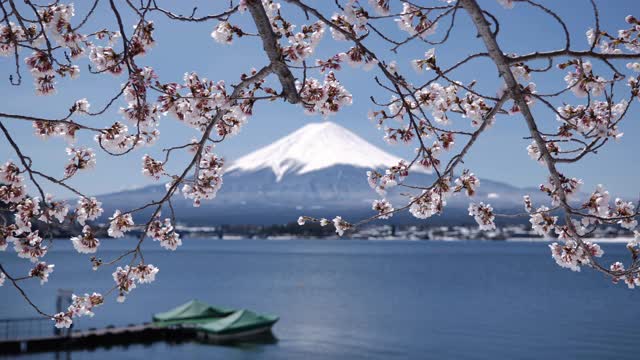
(217, 324)
(192, 312)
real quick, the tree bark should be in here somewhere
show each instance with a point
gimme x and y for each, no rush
(502, 63)
(272, 48)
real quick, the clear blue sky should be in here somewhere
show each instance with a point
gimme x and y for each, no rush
(500, 154)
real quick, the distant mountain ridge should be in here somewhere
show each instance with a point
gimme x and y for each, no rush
(318, 170)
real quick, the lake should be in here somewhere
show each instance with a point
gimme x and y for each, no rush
(340, 299)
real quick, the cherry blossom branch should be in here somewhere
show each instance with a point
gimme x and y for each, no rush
(14, 282)
(38, 119)
(572, 53)
(273, 51)
(23, 159)
(502, 64)
(260, 75)
(192, 18)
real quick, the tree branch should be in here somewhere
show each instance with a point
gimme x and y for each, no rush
(271, 47)
(502, 63)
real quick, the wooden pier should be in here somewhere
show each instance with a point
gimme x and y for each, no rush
(113, 336)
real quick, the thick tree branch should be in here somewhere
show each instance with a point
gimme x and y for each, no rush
(271, 47)
(502, 63)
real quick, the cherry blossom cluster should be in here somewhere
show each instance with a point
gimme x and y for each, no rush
(56, 33)
(224, 32)
(599, 119)
(208, 180)
(341, 225)
(142, 113)
(30, 246)
(542, 222)
(86, 243)
(475, 108)
(27, 243)
(300, 45)
(575, 253)
(430, 202)
(467, 182)
(127, 277)
(483, 214)
(631, 280)
(426, 63)
(568, 187)
(598, 203)
(324, 98)
(573, 256)
(399, 134)
(116, 138)
(352, 20)
(204, 97)
(12, 187)
(120, 224)
(53, 209)
(440, 100)
(392, 177)
(41, 271)
(163, 232)
(24, 211)
(12, 34)
(610, 44)
(534, 152)
(415, 22)
(79, 159)
(106, 59)
(303, 44)
(80, 306)
(383, 207)
(152, 168)
(88, 209)
(582, 80)
(355, 57)
(55, 20)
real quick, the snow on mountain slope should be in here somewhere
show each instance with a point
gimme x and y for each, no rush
(314, 147)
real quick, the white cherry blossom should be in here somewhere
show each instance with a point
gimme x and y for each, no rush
(86, 243)
(120, 224)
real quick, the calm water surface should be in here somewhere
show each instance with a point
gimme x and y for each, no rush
(342, 299)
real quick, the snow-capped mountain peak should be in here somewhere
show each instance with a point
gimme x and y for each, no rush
(313, 147)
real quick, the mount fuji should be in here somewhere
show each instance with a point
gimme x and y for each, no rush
(314, 147)
(318, 170)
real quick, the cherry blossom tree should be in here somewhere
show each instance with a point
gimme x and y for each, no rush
(426, 108)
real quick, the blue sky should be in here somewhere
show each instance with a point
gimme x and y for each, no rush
(500, 154)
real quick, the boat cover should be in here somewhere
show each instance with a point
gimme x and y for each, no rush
(193, 311)
(241, 320)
